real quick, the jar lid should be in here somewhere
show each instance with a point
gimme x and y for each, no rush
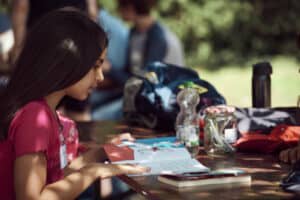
(219, 110)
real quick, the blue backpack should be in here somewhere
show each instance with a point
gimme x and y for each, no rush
(150, 99)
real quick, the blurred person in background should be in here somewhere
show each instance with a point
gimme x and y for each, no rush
(26, 13)
(128, 55)
(6, 37)
(106, 101)
(6, 43)
(149, 40)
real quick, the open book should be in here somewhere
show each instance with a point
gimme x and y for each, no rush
(218, 177)
(163, 155)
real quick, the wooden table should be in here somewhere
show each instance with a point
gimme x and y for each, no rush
(266, 170)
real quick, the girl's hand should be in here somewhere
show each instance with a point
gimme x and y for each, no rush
(118, 139)
(109, 170)
(131, 169)
(290, 155)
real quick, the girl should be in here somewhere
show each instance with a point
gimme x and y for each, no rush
(62, 56)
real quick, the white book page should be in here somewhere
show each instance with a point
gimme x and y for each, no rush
(175, 166)
(164, 160)
(160, 154)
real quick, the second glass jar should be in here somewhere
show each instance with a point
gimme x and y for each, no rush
(220, 130)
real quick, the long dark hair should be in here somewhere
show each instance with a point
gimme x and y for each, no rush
(58, 51)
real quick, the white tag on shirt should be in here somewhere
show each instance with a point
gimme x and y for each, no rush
(63, 156)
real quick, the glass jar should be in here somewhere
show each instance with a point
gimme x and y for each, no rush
(220, 130)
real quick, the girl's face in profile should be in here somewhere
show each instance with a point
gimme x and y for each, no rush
(81, 89)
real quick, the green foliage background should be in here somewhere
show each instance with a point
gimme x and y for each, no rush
(221, 32)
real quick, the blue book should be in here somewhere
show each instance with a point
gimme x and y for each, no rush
(161, 142)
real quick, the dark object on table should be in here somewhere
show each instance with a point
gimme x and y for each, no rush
(261, 85)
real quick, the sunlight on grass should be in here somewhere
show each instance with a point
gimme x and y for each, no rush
(235, 82)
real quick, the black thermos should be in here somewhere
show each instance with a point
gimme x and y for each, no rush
(261, 85)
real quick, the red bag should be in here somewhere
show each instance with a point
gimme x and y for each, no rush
(281, 137)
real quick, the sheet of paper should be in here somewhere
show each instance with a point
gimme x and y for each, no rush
(163, 155)
(175, 166)
(159, 154)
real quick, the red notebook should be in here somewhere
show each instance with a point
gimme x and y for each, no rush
(116, 153)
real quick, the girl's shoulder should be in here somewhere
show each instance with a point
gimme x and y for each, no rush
(33, 107)
(33, 120)
(33, 110)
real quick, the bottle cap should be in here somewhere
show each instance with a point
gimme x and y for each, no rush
(191, 84)
(262, 68)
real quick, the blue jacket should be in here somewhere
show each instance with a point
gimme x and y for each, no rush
(155, 50)
(156, 45)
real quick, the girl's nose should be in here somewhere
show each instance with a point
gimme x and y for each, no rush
(99, 76)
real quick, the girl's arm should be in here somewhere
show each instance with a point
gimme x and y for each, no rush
(30, 178)
(20, 11)
(95, 154)
(92, 9)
